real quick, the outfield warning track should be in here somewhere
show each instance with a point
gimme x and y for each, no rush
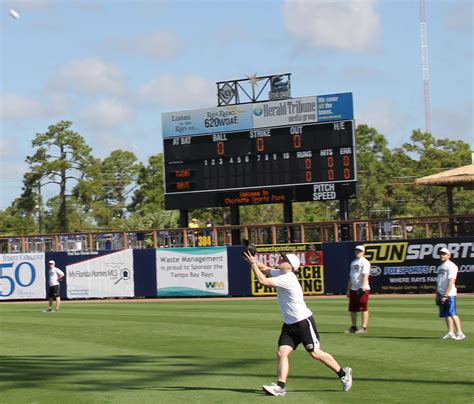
(212, 299)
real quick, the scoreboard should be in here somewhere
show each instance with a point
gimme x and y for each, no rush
(301, 162)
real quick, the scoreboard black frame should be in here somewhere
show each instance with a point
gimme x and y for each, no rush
(305, 162)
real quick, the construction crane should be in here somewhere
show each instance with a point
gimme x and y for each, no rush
(425, 66)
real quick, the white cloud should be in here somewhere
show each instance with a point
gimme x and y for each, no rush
(350, 25)
(106, 140)
(8, 147)
(361, 72)
(13, 107)
(232, 34)
(453, 124)
(460, 17)
(12, 168)
(28, 4)
(107, 113)
(61, 103)
(382, 115)
(90, 76)
(178, 92)
(162, 45)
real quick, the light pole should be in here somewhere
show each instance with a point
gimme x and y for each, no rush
(40, 208)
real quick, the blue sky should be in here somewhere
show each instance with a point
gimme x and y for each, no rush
(112, 67)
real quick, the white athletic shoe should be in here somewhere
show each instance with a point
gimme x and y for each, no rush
(347, 379)
(274, 390)
(460, 336)
(450, 335)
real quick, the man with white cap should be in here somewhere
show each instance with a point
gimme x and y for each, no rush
(446, 295)
(358, 290)
(54, 276)
(299, 325)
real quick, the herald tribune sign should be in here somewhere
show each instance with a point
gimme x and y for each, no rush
(285, 112)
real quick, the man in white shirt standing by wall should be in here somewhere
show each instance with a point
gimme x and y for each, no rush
(54, 276)
(299, 325)
(446, 295)
(358, 290)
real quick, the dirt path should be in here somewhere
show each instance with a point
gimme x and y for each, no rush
(210, 299)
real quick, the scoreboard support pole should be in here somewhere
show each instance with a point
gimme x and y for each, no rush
(288, 218)
(235, 221)
(344, 215)
(183, 218)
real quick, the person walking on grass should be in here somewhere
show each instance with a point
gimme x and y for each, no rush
(358, 290)
(54, 276)
(446, 295)
(299, 325)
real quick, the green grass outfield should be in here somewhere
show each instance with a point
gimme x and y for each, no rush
(201, 351)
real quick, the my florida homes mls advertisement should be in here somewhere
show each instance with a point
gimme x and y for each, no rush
(192, 271)
(22, 276)
(108, 275)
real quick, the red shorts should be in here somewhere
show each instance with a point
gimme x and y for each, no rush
(358, 303)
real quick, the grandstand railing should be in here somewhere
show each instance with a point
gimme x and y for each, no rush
(356, 230)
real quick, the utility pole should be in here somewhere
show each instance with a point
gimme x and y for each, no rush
(40, 208)
(425, 66)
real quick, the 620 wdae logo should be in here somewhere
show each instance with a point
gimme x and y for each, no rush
(21, 276)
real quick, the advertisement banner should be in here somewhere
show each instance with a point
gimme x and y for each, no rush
(335, 107)
(201, 121)
(410, 266)
(294, 111)
(311, 271)
(22, 276)
(109, 275)
(192, 271)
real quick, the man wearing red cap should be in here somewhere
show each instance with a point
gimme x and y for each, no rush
(299, 325)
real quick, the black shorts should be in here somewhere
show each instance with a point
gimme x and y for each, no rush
(304, 331)
(53, 291)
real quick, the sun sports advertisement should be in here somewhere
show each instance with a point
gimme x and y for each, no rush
(310, 273)
(411, 266)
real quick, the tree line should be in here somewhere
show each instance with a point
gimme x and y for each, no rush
(119, 192)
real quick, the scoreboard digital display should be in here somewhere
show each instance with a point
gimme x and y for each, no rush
(288, 163)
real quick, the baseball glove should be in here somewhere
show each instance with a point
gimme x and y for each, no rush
(360, 291)
(439, 300)
(249, 247)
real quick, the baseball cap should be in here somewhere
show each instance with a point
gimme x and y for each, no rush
(293, 260)
(360, 248)
(444, 250)
(51, 262)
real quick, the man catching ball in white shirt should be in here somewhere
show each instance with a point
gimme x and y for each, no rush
(299, 325)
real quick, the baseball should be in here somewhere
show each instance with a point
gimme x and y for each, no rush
(14, 14)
